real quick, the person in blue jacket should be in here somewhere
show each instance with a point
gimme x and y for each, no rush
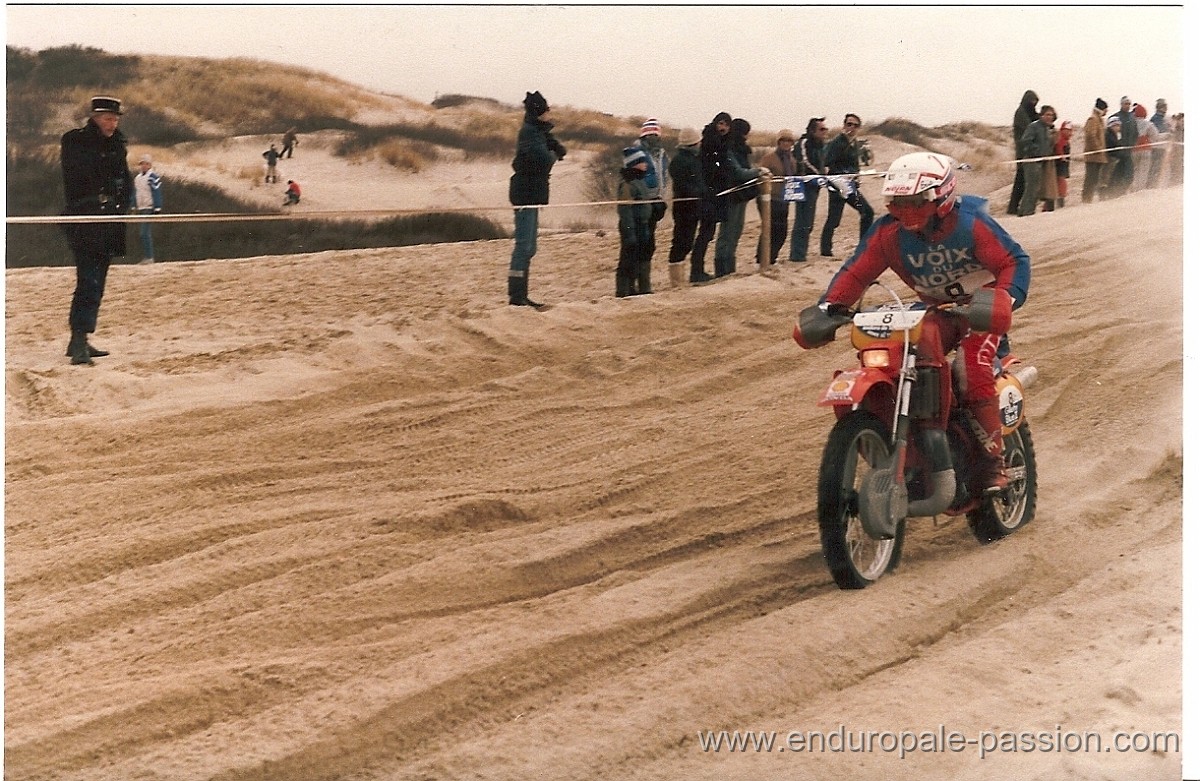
(147, 199)
(947, 249)
(528, 188)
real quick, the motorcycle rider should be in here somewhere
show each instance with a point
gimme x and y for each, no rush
(945, 248)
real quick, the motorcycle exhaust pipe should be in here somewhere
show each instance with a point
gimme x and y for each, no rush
(1026, 374)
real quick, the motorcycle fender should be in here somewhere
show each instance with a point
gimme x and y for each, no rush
(851, 386)
(1012, 403)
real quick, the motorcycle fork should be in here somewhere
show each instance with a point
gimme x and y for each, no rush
(900, 419)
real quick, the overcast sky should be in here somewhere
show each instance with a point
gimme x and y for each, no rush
(774, 65)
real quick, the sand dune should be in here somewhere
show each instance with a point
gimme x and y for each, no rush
(348, 515)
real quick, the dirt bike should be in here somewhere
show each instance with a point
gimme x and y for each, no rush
(878, 469)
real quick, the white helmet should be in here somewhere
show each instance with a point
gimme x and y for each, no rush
(920, 173)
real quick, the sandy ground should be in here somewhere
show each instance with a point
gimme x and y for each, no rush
(348, 515)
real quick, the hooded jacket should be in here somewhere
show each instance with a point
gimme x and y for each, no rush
(1025, 114)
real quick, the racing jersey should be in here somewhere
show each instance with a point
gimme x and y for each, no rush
(967, 251)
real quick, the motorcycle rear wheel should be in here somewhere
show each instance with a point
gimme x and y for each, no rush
(1012, 508)
(857, 444)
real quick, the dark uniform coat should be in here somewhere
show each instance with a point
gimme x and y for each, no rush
(96, 180)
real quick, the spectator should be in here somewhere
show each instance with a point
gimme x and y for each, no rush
(1119, 171)
(1122, 173)
(650, 141)
(842, 157)
(1037, 146)
(1062, 163)
(291, 196)
(1025, 115)
(1142, 146)
(725, 258)
(810, 155)
(715, 165)
(1175, 155)
(528, 188)
(272, 157)
(1158, 153)
(781, 164)
(1094, 157)
(289, 143)
(147, 199)
(687, 187)
(96, 180)
(634, 224)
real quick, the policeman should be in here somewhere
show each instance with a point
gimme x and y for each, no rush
(96, 180)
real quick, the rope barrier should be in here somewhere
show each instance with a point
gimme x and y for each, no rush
(825, 179)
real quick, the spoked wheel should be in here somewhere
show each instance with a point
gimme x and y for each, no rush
(1013, 507)
(857, 444)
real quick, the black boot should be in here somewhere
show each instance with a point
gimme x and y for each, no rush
(518, 292)
(624, 285)
(93, 351)
(642, 284)
(78, 349)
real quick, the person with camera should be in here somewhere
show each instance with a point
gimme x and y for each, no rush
(96, 180)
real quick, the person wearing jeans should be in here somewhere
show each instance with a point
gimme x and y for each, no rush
(147, 199)
(529, 188)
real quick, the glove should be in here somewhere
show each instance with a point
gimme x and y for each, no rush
(557, 148)
(816, 326)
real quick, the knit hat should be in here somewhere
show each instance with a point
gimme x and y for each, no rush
(1100, 104)
(633, 156)
(102, 103)
(689, 136)
(1139, 111)
(1066, 125)
(650, 128)
(785, 135)
(535, 104)
(1114, 120)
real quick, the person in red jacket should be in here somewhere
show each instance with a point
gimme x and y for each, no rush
(1062, 166)
(949, 250)
(292, 194)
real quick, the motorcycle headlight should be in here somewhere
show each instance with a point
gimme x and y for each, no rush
(876, 359)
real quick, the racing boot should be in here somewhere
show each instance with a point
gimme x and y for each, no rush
(985, 422)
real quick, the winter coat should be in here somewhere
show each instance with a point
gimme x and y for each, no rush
(537, 152)
(657, 184)
(841, 155)
(96, 180)
(633, 219)
(780, 165)
(687, 174)
(810, 156)
(1037, 141)
(1093, 138)
(150, 183)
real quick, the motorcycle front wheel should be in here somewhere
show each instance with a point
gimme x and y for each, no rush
(1012, 508)
(857, 444)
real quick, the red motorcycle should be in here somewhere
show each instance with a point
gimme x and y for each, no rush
(903, 445)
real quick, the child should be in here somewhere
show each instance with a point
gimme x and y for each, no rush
(292, 193)
(1062, 166)
(633, 223)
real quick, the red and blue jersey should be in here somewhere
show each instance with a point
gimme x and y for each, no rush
(968, 250)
